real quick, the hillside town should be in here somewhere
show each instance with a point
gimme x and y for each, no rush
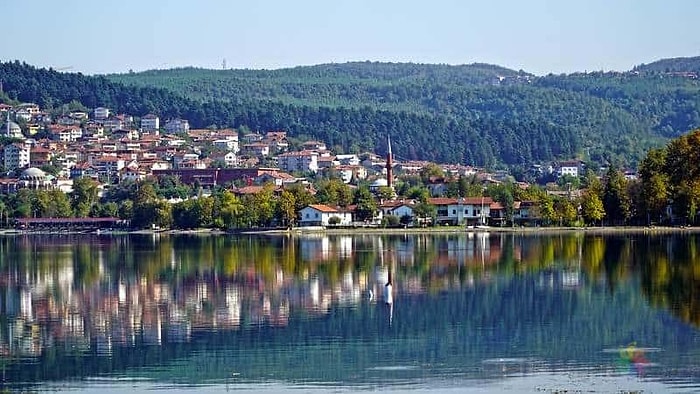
(49, 151)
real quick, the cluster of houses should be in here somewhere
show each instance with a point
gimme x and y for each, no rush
(114, 148)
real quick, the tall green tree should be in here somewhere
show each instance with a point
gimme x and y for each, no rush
(616, 200)
(287, 208)
(592, 208)
(683, 172)
(655, 184)
(232, 210)
(366, 206)
(333, 192)
(83, 196)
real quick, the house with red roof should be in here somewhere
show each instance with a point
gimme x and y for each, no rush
(320, 215)
(463, 210)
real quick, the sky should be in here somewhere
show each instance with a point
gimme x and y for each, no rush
(538, 36)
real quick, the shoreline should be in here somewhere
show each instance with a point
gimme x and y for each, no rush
(301, 231)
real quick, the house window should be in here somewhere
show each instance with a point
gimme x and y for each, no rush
(317, 215)
(307, 215)
(454, 211)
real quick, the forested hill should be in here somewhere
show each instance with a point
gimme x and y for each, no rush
(475, 114)
(676, 64)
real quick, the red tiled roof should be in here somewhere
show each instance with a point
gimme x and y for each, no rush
(323, 208)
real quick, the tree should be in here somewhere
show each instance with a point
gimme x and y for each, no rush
(385, 193)
(681, 167)
(425, 212)
(592, 208)
(287, 208)
(265, 203)
(419, 193)
(333, 192)
(503, 193)
(367, 207)
(145, 209)
(655, 184)
(616, 201)
(391, 221)
(231, 210)
(565, 211)
(302, 196)
(546, 209)
(431, 170)
(83, 196)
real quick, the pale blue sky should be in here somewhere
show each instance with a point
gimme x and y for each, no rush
(539, 36)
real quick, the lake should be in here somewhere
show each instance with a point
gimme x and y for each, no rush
(471, 312)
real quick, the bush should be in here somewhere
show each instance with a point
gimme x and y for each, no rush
(390, 221)
(334, 220)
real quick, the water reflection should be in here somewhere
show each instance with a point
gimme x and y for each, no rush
(316, 309)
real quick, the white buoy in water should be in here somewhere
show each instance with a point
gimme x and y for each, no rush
(388, 293)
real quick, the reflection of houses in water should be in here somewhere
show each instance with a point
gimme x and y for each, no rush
(346, 291)
(475, 249)
(321, 248)
(405, 250)
(560, 279)
(125, 308)
(314, 249)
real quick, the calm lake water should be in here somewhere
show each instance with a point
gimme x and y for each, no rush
(472, 312)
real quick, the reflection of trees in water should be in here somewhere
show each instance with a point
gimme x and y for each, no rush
(106, 293)
(207, 281)
(670, 274)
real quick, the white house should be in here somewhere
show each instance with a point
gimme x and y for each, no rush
(228, 158)
(320, 215)
(298, 161)
(114, 123)
(228, 144)
(150, 122)
(572, 168)
(458, 211)
(101, 113)
(395, 208)
(16, 155)
(348, 160)
(177, 126)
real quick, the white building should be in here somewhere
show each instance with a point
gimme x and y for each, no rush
(12, 130)
(101, 113)
(228, 144)
(16, 155)
(348, 160)
(177, 126)
(150, 122)
(458, 211)
(114, 124)
(320, 215)
(298, 161)
(571, 168)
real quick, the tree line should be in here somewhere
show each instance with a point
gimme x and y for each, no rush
(667, 192)
(449, 114)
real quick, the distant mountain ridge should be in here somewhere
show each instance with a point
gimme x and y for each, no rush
(476, 114)
(677, 64)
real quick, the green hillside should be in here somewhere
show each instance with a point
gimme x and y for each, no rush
(607, 115)
(676, 64)
(474, 114)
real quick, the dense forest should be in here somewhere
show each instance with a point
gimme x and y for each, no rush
(474, 114)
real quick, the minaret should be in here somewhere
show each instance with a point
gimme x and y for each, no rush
(7, 124)
(389, 163)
